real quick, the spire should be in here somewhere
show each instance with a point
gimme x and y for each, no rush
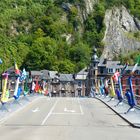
(94, 58)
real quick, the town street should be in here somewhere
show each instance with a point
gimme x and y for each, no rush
(66, 119)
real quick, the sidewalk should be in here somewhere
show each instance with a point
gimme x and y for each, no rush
(12, 106)
(132, 117)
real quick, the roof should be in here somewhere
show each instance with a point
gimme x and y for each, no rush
(66, 78)
(38, 73)
(83, 71)
(110, 64)
(113, 64)
(11, 71)
(131, 67)
(53, 74)
(102, 62)
(45, 74)
(82, 75)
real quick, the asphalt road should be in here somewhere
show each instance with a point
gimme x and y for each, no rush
(66, 119)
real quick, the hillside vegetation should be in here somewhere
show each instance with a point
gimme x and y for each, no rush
(41, 34)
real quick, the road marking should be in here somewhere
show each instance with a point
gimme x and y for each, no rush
(35, 110)
(66, 113)
(50, 112)
(66, 110)
(80, 107)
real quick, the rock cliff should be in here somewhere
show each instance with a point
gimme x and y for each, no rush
(121, 27)
(119, 35)
(85, 8)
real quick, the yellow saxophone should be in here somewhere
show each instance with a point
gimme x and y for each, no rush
(5, 92)
(112, 90)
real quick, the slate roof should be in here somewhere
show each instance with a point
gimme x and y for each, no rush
(38, 73)
(102, 62)
(66, 78)
(131, 67)
(53, 74)
(115, 66)
(82, 75)
(83, 71)
(110, 64)
(45, 74)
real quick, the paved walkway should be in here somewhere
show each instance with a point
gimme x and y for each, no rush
(132, 117)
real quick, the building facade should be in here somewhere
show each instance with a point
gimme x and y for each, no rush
(81, 83)
(107, 68)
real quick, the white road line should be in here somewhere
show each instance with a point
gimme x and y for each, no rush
(35, 110)
(66, 113)
(80, 107)
(50, 112)
(66, 110)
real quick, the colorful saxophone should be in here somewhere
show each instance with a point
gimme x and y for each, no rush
(22, 78)
(5, 91)
(112, 89)
(130, 93)
(102, 87)
(133, 100)
(18, 89)
(117, 79)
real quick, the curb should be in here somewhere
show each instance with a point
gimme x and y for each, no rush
(131, 124)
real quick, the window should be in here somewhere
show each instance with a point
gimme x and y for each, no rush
(79, 83)
(110, 70)
(137, 81)
(101, 71)
(128, 71)
(79, 92)
(137, 91)
(118, 70)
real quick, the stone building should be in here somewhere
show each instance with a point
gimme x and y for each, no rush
(67, 85)
(54, 83)
(36, 75)
(81, 83)
(135, 80)
(107, 68)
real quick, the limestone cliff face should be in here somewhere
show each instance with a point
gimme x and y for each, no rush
(89, 6)
(86, 8)
(120, 26)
